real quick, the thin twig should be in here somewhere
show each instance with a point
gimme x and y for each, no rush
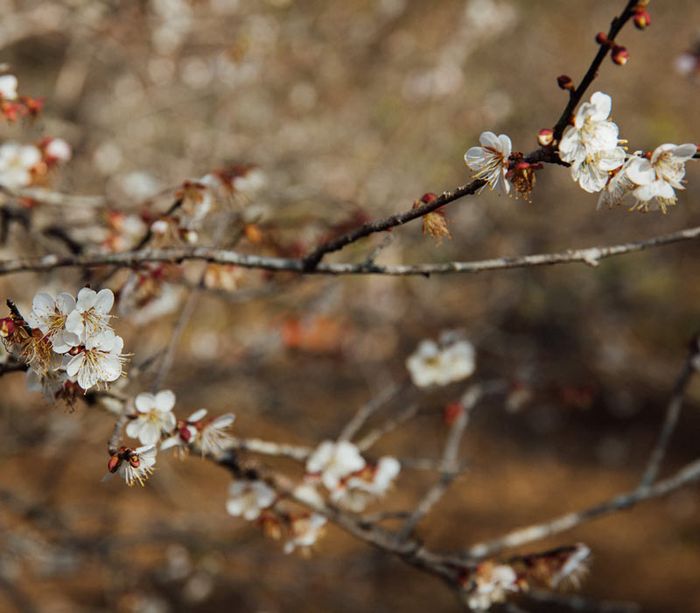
(388, 426)
(368, 409)
(591, 256)
(673, 412)
(689, 474)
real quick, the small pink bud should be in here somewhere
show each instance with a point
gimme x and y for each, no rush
(620, 55)
(602, 38)
(428, 198)
(545, 137)
(642, 18)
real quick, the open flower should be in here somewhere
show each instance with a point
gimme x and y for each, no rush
(492, 582)
(248, 498)
(8, 87)
(657, 178)
(155, 415)
(618, 186)
(16, 164)
(210, 435)
(306, 531)
(134, 465)
(91, 314)
(490, 161)
(592, 131)
(99, 360)
(49, 315)
(432, 364)
(373, 482)
(333, 462)
(593, 173)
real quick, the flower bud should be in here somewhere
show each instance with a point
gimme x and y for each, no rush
(602, 38)
(565, 82)
(7, 327)
(620, 55)
(113, 463)
(428, 198)
(545, 137)
(642, 18)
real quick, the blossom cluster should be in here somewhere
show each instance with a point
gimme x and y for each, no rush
(67, 341)
(26, 165)
(599, 163)
(12, 104)
(153, 422)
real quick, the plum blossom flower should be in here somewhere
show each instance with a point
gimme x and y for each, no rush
(372, 482)
(155, 415)
(98, 361)
(248, 498)
(593, 173)
(492, 583)
(8, 87)
(210, 435)
(306, 531)
(16, 164)
(57, 150)
(619, 185)
(134, 466)
(333, 462)
(432, 364)
(490, 161)
(657, 178)
(91, 314)
(49, 315)
(592, 131)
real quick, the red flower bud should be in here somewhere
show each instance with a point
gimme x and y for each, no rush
(545, 137)
(113, 463)
(620, 55)
(565, 82)
(642, 18)
(602, 38)
(428, 198)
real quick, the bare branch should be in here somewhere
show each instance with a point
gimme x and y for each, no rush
(368, 409)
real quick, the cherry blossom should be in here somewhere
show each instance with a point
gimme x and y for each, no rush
(490, 161)
(657, 178)
(134, 466)
(210, 435)
(155, 415)
(8, 87)
(593, 173)
(492, 584)
(432, 364)
(49, 315)
(372, 482)
(333, 462)
(248, 498)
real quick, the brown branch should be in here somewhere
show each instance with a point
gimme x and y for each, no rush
(368, 409)
(689, 474)
(590, 255)
(673, 411)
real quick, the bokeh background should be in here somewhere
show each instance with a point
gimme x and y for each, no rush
(356, 108)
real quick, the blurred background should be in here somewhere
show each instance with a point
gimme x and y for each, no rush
(353, 110)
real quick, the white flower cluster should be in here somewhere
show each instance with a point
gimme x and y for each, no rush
(598, 163)
(74, 342)
(21, 165)
(351, 482)
(443, 363)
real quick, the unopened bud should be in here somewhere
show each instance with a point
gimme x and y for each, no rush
(620, 55)
(602, 38)
(113, 463)
(545, 137)
(642, 18)
(7, 327)
(428, 198)
(565, 82)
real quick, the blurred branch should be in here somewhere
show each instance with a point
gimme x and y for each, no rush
(672, 414)
(590, 256)
(13, 367)
(368, 409)
(687, 475)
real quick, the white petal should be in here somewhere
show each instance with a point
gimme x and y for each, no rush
(602, 106)
(490, 140)
(164, 401)
(86, 298)
(505, 145)
(197, 415)
(104, 300)
(144, 402)
(640, 171)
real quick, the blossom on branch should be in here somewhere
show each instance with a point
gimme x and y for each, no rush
(98, 361)
(155, 415)
(658, 177)
(434, 364)
(16, 164)
(490, 161)
(91, 314)
(332, 462)
(490, 585)
(247, 499)
(306, 531)
(133, 465)
(8, 87)
(209, 435)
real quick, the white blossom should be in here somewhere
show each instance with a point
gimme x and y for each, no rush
(91, 314)
(248, 498)
(333, 462)
(8, 87)
(593, 173)
(432, 364)
(373, 482)
(492, 583)
(592, 131)
(154, 415)
(306, 531)
(658, 178)
(138, 466)
(99, 360)
(210, 435)
(57, 149)
(49, 315)
(490, 161)
(16, 163)
(618, 186)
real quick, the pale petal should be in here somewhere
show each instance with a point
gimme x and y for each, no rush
(164, 401)
(144, 402)
(65, 303)
(104, 300)
(86, 298)
(601, 106)
(197, 415)
(641, 172)
(490, 140)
